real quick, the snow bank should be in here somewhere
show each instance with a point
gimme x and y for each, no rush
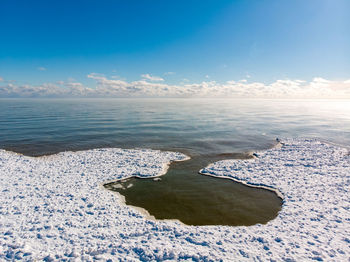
(55, 208)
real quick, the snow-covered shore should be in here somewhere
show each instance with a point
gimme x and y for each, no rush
(55, 208)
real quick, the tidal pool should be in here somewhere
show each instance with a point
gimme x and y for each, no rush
(195, 199)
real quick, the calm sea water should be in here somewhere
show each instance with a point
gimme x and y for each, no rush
(194, 126)
(207, 130)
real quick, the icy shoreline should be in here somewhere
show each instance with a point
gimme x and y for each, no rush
(53, 207)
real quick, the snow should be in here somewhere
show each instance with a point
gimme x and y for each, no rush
(55, 207)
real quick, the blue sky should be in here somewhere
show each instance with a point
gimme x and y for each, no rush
(262, 41)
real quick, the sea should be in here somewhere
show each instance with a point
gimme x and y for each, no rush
(195, 126)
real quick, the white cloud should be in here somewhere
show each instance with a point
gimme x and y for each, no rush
(1, 79)
(41, 68)
(169, 73)
(152, 78)
(58, 89)
(110, 87)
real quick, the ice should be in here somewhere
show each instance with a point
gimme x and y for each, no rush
(55, 207)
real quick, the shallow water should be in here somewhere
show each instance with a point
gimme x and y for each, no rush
(200, 128)
(196, 199)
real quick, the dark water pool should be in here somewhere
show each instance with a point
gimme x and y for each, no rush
(196, 199)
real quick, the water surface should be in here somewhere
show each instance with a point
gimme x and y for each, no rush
(202, 129)
(194, 126)
(196, 199)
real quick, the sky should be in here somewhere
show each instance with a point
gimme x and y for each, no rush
(257, 48)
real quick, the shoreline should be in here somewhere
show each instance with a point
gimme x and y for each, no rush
(146, 213)
(53, 207)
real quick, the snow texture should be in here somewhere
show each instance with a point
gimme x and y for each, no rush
(55, 208)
